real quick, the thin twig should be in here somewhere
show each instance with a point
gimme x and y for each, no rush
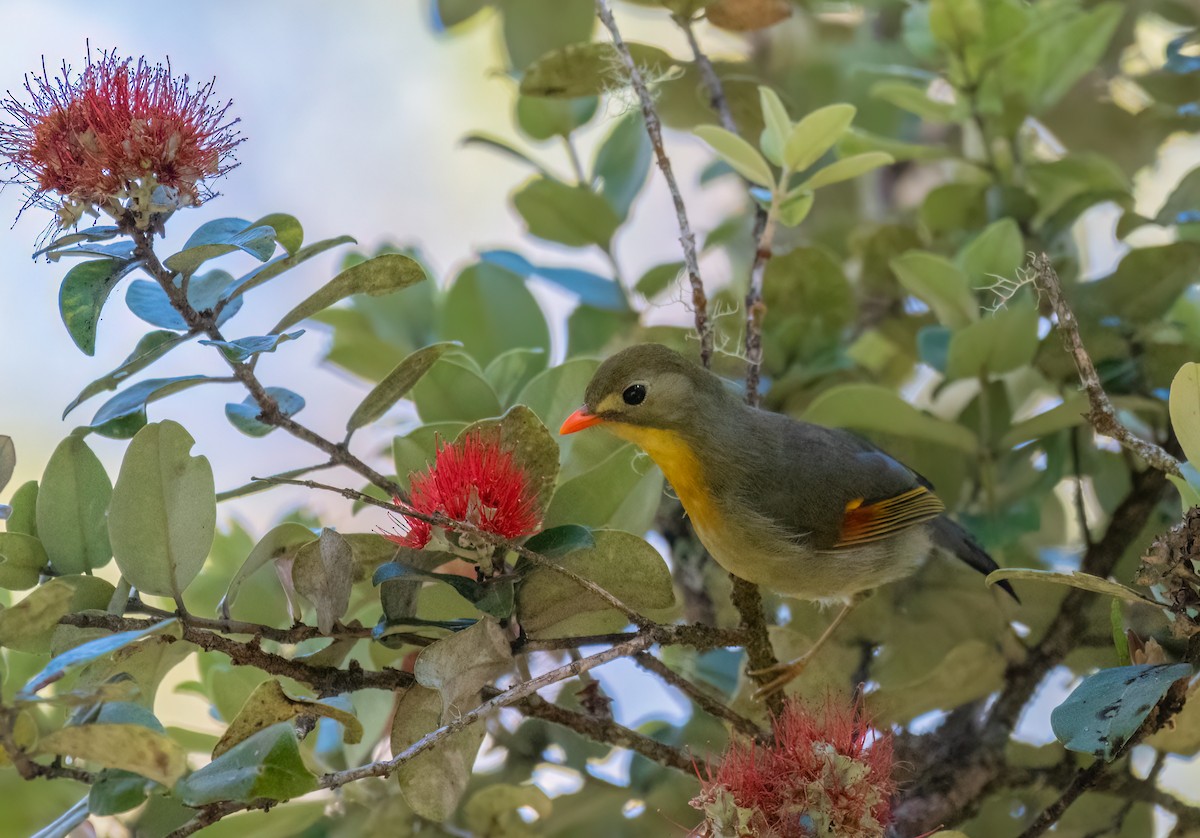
(700, 696)
(1103, 416)
(608, 732)
(270, 413)
(697, 636)
(654, 129)
(325, 680)
(716, 90)
(385, 768)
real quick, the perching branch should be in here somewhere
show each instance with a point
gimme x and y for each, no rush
(654, 129)
(1102, 416)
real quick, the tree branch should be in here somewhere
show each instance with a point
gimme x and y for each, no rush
(1103, 416)
(654, 129)
(384, 768)
(700, 697)
(325, 680)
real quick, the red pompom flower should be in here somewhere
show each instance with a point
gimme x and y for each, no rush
(117, 131)
(819, 777)
(473, 480)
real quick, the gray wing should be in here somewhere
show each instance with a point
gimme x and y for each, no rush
(820, 471)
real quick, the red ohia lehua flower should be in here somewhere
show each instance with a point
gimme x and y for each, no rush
(117, 131)
(819, 777)
(473, 480)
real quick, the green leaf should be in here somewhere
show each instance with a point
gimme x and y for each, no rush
(396, 384)
(27, 625)
(218, 237)
(451, 13)
(776, 125)
(149, 301)
(242, 349)
(543, 119)
(22, 516)
(956, 23)
(742, 157)
(269, 705)
(1185, 409)
(149, 349)
(129, 747)
(434, 781)
(915, 99)
(658, 279)
(870, 407)
(847, 168)
(1120, 641)
(996, 252)
(1126, 293)
(496, 810)
(795, 206)
(266, 765)
(510, 371)
(1184, 202)
(590, 69)
(8, 460)
(597, 496)
(124, 414)
(416, 449)
(323, 573)
(571, 215)
(815, 134)
(1071, 413)
(23, 559)
(1074, 579)
(459, 665)
(81, 298)
(938, 283)
(280, 542)
(1107, 708)
(1089, 34)
(72, 503)
(1002, 342)
(534, 27)
(452, 391)
(551, 605)
(508, 149)
(91, 234)
(163, 514)
(556, 542)
(490, 311)
(244, 415)
(592, 289)
(83, 654)
(288, 231)
(623, 163)
(279, 265)
(378, 276)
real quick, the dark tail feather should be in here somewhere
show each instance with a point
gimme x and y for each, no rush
(954, 539)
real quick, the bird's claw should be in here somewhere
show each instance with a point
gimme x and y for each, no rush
(784, 674)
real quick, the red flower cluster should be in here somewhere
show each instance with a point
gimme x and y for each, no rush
(113, 129)
(474, 480)
(819, 777)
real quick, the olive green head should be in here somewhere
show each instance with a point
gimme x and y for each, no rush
(653, 386)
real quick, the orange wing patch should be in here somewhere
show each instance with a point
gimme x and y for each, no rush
(863, 524)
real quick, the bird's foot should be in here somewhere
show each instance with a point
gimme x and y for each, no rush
(784, 674)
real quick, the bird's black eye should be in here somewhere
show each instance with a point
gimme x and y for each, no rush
(634, 394)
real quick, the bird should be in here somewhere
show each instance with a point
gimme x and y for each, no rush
(809, 511)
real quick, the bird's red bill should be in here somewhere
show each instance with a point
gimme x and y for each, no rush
(577, 421)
